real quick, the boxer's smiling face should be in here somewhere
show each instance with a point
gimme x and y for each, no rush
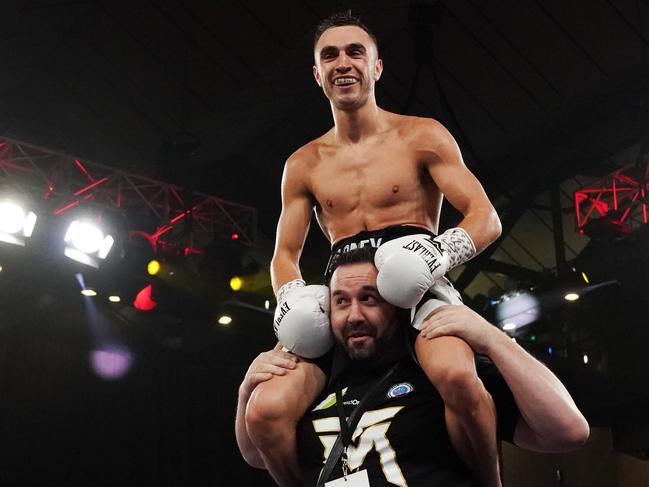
(361, 320)
(346, 66)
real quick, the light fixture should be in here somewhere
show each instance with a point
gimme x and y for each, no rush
(585, 358)
(236, 283)
(266, 303)
(86, 243)
(224, 320)
(509, 326)
(16, 224)
(571, 297)
(114, 299)
(89, 292)
(153, 267)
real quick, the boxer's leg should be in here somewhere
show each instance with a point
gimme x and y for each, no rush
(272, 414)
(469, 409)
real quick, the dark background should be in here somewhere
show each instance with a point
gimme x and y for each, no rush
(542, 96)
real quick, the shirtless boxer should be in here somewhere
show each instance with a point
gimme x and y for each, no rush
(375, 176)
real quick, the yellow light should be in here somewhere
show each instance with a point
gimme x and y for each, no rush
(114, 299)
(571, 297)
(0, 268)
(89, 292)
(236, 283)
(585, 278)
(224, 320)
(153, 267)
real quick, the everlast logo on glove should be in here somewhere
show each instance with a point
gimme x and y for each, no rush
(430, 257)
(284, 308)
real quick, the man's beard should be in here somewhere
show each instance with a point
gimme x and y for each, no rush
(379, 350)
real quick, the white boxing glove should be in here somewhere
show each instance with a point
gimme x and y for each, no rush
(409, 266)
(301, 321)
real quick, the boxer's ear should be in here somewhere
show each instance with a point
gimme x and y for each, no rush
(316, 75)
(378, 69)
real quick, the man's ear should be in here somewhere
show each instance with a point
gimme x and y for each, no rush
(378, 69)
(316, 75)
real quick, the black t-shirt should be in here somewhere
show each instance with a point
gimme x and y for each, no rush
(401, 438)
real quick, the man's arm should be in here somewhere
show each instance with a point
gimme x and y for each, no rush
(267, 364)
(460, 187)
(550, 421)
(293, 225)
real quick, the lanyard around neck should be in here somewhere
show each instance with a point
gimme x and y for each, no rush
(348, 426)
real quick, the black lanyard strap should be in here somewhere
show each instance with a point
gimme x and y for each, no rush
(348, 426)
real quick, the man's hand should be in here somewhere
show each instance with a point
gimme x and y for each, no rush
(265, 365)
(462, 322)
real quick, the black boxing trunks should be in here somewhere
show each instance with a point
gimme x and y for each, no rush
(371, 238)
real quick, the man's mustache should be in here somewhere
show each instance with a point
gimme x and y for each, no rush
(359, 329)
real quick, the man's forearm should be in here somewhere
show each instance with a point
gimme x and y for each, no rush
(483, 226)
(282, 270)
(551, 417)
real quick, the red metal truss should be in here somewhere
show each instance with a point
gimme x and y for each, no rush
(620, 197)
(67, 182)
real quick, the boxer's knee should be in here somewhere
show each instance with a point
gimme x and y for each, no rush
(272, 413)
(462, 390)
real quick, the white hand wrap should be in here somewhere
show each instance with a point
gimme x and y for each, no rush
(409, 266)
(444, 293)
(301, 321)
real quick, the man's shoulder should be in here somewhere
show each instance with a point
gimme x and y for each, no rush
(310, 152)
(414, 125)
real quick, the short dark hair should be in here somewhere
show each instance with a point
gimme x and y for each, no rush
(341, 19)
(362, 255)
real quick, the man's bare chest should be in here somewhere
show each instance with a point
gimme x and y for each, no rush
(374, 178)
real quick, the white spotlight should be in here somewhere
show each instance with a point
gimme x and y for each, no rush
(89, 292)
(224, 320)
(87, 243)
(114, 299)
(509, 326)
(571, 297)
(585, 358)
(267, 304)
(16, 223)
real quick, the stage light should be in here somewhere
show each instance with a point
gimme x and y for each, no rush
(509, 326)
(89, 292)
(571, 297)
(518, 309)
(144, 300)
(266, 303)
(0, 268)
(550, 350)
(153, 267)
(224, 320)
(236, 283)
(114, 299)
(585, 358)
(111, 363)
(16, 223)
(87, 243)
(585, 277)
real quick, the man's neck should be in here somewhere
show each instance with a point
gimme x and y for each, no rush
(352, 126)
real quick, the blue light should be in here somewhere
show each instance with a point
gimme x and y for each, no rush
(550, 350)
